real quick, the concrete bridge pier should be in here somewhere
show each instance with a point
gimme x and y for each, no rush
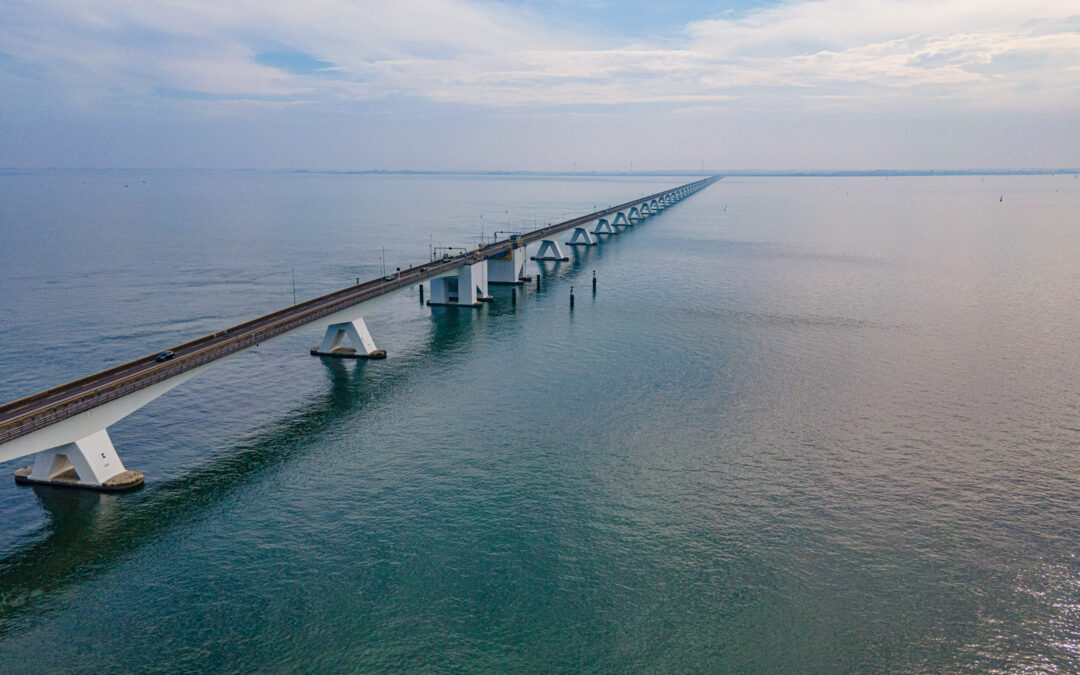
(77, 451)
(468, 288)
(581, 238)
(508, 267)
(621, 219)
(355, 332)
(89, 462)
(549, 250)
(603, 226)
(634, 215)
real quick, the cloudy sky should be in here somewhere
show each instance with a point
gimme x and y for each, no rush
(540, 84)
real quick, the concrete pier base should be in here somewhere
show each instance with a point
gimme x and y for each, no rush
(90, 463)
(121, 482)
(549, 250)
(467, 288)
(581, 238)
(474, 305)
(604, 227)
(349, 353)
(508, 269)
(356, 332)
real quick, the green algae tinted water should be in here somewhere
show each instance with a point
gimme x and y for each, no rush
(804, 425)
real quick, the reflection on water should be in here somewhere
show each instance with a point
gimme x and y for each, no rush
(89, 531)
(824, 425)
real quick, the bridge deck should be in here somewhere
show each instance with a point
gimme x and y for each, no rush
(34, 412)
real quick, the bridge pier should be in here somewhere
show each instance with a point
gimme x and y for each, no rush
(77, 451)
(581, 238)
(604, 227)
(621, 219)
(90, 462)
(549, 250)
(469, 288)
(508, 268)
(356, 332)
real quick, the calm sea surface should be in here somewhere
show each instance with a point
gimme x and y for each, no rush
(805, 425)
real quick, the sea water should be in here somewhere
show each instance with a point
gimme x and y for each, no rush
(803, 425)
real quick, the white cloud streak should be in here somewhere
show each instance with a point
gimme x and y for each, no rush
(987, 53)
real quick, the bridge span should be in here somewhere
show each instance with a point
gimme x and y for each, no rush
(66, 427)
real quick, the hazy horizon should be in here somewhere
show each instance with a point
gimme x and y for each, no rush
(764, 173)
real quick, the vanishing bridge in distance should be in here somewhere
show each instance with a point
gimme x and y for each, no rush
(66, 427)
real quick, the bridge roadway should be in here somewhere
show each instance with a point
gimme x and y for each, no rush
(40, 410)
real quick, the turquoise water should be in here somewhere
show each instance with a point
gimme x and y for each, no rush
(804, 425)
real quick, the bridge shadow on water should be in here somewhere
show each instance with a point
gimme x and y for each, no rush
(87, 533)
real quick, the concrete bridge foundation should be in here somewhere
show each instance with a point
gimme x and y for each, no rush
(604, 227)
(581, 238)
(356, 333)
(508, 268)
(91, 462)
(468, 288)
(549, 250)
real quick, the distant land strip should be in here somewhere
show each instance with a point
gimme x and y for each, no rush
(769, 173)
(808, 173)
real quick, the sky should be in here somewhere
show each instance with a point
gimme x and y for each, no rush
(545, 85)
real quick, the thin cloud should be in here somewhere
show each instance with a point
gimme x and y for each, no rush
(865, 52)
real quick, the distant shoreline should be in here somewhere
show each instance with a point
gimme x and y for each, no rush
(590, 174)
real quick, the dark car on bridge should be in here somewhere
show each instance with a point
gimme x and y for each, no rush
(164, 356)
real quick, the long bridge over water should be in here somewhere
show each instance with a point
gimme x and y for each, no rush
(66, 427)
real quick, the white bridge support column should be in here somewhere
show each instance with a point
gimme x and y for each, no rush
(77, 451)
(581, 238)
(549, 250)
(620, 219)
(90, 462)
(468, 288)
(635, 214)
(508, 268)
(604, 227)
(475, 277)
(356, 333)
